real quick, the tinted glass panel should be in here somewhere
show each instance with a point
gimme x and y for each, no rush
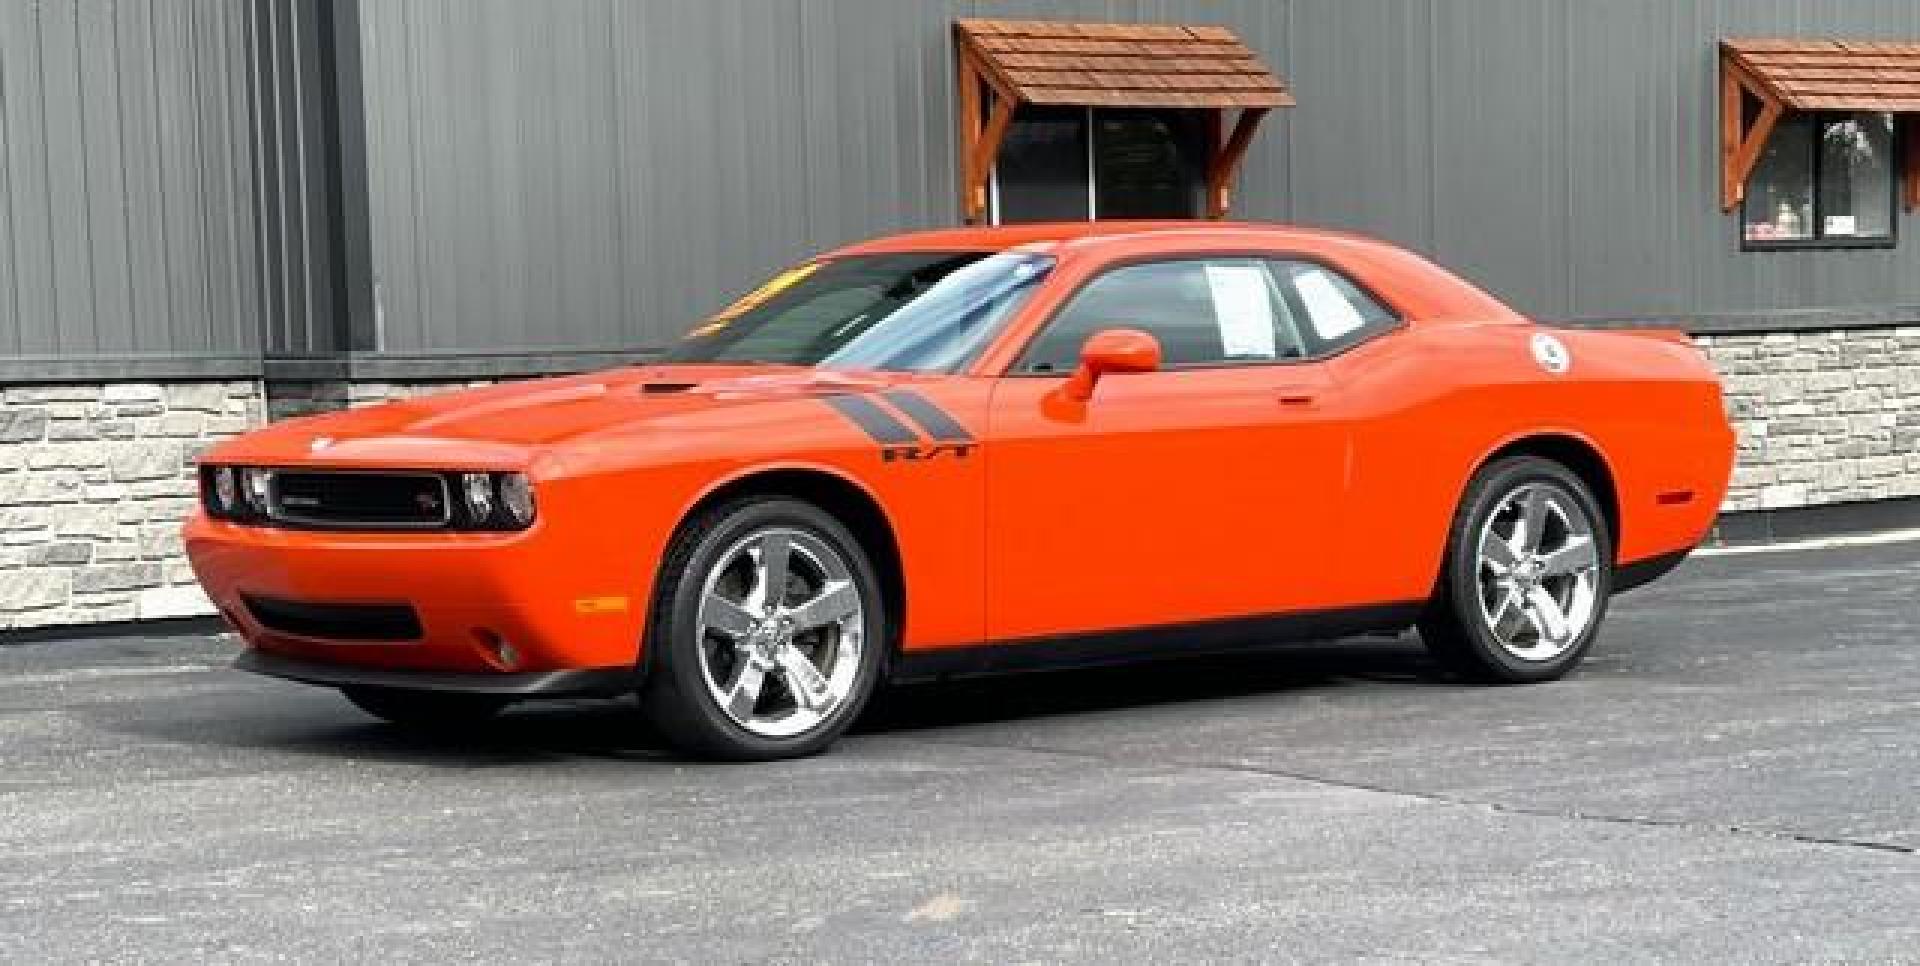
(1147, 164)
(1203, 312)
(1041, 174)
(1856, 177)
(1334, 313)
(918, 312)
(1780, 195)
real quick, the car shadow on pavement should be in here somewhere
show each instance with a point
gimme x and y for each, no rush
(1167, 681)
(304, 721)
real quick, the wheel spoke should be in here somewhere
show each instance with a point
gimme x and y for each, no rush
(743, 692)
(808, 685)
(733, 619)
(1509, 617)
(771, 570)
(1497, 553)
(836, 601)
(1578, 555)
(1547, 616)
(1533, 520)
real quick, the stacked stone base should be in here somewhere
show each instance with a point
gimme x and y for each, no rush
(94, 483)
(95, 480)
(1823, 417)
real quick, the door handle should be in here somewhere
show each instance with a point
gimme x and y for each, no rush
(1296, 397)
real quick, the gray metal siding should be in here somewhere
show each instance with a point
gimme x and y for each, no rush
(599, 173)
(125, 194)
(595, 174)
(1563, 154)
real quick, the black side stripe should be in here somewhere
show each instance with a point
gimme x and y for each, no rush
(874, 421)
(940, 426)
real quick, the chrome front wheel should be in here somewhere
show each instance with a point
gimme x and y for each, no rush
(780, 627)
(768, 631)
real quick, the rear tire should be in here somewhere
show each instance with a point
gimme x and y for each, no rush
(1526, 578)
(768, 632)
(425, 710)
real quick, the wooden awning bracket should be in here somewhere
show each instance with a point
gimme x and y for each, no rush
(1740, 147)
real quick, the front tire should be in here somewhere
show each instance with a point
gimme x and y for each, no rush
(1527, 575)
(425, 710)
(768, 632)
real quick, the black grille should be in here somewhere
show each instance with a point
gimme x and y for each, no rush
(372, 500)
(338, 622)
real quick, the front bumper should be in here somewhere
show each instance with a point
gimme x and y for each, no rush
(560, 601)
(579, 682)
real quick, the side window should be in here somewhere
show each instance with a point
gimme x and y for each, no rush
(1337, 313)
(1204, 312)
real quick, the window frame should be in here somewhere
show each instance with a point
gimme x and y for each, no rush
(1820, 120)
(1399, 316)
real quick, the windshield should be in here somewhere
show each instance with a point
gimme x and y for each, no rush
(906, 312)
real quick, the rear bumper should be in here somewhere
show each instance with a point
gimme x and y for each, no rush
(578, 682)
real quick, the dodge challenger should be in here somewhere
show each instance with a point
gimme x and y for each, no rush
(976, 450)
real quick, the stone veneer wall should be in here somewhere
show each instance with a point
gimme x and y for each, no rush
(94, 482)
(1823, 417)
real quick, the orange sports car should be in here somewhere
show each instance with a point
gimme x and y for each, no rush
(977, 450)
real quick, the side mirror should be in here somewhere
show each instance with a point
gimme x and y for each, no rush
(1111, 351)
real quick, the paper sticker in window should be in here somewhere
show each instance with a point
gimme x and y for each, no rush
(1332, 314)
(1243, 310)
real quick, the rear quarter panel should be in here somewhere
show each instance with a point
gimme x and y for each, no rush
(1430, 404)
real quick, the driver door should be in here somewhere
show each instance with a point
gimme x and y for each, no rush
(1208, 489)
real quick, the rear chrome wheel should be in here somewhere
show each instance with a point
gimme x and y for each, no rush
(767, 634)
(1537, 569)
(781, 629)
(1526, 575)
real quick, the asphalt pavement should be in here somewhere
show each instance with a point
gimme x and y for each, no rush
(1734, 776)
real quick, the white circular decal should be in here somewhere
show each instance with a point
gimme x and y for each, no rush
(1551, 353)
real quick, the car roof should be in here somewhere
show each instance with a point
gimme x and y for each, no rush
(1091, 234)
(1417, 288)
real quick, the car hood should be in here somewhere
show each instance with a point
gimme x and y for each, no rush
(506, 424)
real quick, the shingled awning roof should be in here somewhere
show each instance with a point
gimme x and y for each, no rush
(1810, 75)
(1833, 75)
(1111, 65)
(1122, 64)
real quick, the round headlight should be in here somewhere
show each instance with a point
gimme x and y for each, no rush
(478, 490)
(257, 481)
(516, 497)
(224, 489)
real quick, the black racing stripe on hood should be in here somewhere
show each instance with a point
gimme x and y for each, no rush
(872, 420)
(931, 418)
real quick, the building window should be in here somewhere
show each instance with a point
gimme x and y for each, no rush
(1824, 181)
(1076, 164)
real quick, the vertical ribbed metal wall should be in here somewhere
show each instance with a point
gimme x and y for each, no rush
(126, 193)
(185, 179)
(598, 173)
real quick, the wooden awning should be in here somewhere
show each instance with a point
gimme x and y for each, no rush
(1106, 65)
(1810, 75)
